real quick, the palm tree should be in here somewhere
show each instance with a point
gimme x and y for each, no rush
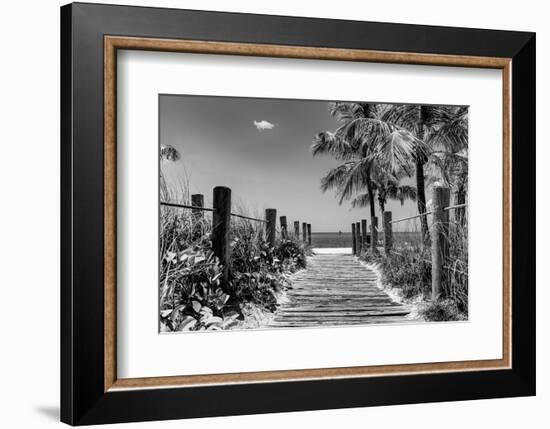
(432, 125)
(349, 146)
(448, 162)
(364, 142)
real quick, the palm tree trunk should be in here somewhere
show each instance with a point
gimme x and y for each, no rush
(420, 191)
(382, 205)
(421, 202)
(460, 198)
(371, 199)
(372, 211)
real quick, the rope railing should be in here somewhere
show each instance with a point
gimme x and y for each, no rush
(248, 218)
(185, 206)
(207, 209)
(411, 217)
(458, 206)
(222, 225)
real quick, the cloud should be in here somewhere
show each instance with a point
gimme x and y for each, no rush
(263, 125)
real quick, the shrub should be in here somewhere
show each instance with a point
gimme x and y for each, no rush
(443, 311)
(258, 270)
(409, 269)
(292, 253)
(457, 266)
(254, 272)
(191, 296)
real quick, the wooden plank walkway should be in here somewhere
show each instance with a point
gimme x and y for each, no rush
(336, 289)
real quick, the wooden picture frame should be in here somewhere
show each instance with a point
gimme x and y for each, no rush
(91, 391)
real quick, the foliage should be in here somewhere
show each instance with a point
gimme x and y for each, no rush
(292, 253)
(192, 296)
(259, 270)
(387, 186)
(169, 153)
(443, 311)
(456, 286)
(368, 145)
(384, 139)
(408, 269)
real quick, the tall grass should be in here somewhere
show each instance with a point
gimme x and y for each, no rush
(456, 267)
(191, 294)
(408, 267)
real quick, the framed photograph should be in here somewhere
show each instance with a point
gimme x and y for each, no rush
(267, 214)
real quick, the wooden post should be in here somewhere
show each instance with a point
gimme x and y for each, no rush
(374, 234)
(353, 249)
(358, 238)
(364, 231)
(270, 226)
(297, 229)
(282, 220)
(388, 238)
(197, 200)
(304, 232)
(220, 230)
(309, 234)
(440, 239)
(460, 213)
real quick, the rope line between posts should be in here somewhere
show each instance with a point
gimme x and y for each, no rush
(458, 206)
(248, 218)
(185, 206)
(207, 209)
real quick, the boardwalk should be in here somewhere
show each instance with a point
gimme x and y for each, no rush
(335, 289)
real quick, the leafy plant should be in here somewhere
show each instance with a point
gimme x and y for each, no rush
(192, 297)
(443, 311)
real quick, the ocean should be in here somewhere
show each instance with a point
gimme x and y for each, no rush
(343, 239)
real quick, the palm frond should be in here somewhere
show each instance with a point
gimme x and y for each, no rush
(348, 111)
(329, 143)
(355, 180)
(396, 152)
(348, 178)
(404, 192)
(169, 153)
(335, 177)
(361, 200)
(364, 133)
(403, 116)
(452, 135)
(434, 115)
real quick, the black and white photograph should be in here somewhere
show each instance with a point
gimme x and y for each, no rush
(287, 213)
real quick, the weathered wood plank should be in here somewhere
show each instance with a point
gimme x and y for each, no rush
(336, 289)
(355, 321)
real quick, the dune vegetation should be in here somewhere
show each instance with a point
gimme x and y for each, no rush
(192, 297)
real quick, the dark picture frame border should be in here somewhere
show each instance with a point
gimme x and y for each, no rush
(87, 199)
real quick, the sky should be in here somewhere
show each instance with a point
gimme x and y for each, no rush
(260, 148)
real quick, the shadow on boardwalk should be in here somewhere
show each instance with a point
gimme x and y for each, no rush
(336, 289)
